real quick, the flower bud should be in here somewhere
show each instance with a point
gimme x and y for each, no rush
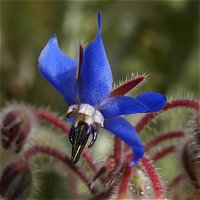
(191, 152)
(15, 181)
(16, 124)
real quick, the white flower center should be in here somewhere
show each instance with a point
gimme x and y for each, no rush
(86, 113)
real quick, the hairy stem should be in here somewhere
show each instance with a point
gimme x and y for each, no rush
(173, 104)
(60, 156)
(126, 177)
(117, 149)
(49, 117)
(153, 176)
(165, 151)
(162, 137)
(90, 161)
(176, 181)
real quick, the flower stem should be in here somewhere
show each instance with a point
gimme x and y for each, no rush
(117, 149)
(60, 156)
(162, 137)
(49, 117)
(175, 186)
(183, 103)
(90, 160)
(165, 151)
(173, 104)
(176, 181)
(45, 115)
(126, 177)
(153, 176)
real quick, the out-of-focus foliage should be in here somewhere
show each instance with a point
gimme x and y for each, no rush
(156, 37)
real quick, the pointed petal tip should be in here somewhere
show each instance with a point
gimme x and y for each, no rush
(132, 164)
(53, 38)
(138, 154)
(58, 69)
(96, 74)
(99, 16)
(121, 128)
(153, 101)
(135, 160)
(163, 100)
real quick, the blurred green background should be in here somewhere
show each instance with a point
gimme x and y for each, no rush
(160, 38)
(157, 37)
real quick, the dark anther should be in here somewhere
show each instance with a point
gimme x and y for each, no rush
(94, 137)
(79, 134)
(72, 133)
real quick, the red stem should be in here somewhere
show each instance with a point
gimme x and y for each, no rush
(175, 103)
(117, 149)
(86, 154)
(156, 183)
(45, 115)
(126, 177)
(60, 156)
(165, 151)
(175, 186)
(160, 154)
(176, 181)
(162, 137)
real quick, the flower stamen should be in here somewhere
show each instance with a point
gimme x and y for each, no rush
(87, 121)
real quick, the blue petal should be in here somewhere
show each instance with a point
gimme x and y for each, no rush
(96, 75)
(70, 120)
(123, 129)
(154, 101)
(59, 69)
(122, 105)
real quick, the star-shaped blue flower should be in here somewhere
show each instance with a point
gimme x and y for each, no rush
(86, 86)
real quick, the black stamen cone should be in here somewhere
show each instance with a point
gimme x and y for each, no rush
(80, 132)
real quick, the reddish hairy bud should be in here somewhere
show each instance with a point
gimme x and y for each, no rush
(16, 124)
(191, 152)
(15, 180)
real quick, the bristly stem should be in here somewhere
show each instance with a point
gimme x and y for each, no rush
(45, 115)
(175, 103)
(160, 154)
(162, 137)
(49, 117)
(174, 186)
(127, 86)
(60, 156)
(126, 177)
(19, 190)
(90, 161)
(165, 151)
(186, 160)
(183, 103)
(176, 181)
(153, 176)
(117, 149)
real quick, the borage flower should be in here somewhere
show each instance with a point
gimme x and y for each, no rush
(86, 86)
